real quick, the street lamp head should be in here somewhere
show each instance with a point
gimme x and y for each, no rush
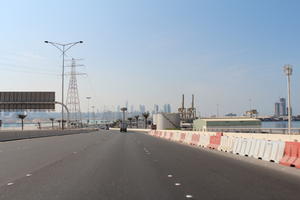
(46, 41)
(80, 41)
(288, 70)
(123, 109)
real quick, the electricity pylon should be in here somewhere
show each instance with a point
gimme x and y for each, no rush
(73, 102)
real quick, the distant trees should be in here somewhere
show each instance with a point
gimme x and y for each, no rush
(52, 121)
(22, 117)
(130, 120)
(146, 115)
(137, 120)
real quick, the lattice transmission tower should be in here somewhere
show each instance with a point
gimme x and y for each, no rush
(73, 102)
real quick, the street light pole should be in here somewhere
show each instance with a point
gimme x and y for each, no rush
(63, 47)
(94, 117)
(88, 98)
(288, 70)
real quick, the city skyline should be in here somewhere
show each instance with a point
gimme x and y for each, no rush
(152, 52)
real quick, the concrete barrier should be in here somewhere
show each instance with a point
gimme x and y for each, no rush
(28, 134)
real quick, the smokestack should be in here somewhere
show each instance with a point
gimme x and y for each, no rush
(183, 101)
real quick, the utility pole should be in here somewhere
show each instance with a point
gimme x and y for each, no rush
(63, 47)
(94, 117)
(88, 99)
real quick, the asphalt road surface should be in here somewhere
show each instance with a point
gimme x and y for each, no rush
(131, 166)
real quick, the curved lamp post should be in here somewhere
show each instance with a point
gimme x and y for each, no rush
(63, 47)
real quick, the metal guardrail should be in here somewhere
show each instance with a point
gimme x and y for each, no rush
(294, 131)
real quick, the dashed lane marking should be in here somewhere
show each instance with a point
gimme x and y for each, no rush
(188, 196)
(177, 184)
(170, 175)
(28, 175)
(10, 184)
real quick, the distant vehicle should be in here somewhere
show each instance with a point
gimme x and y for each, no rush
(123, 127)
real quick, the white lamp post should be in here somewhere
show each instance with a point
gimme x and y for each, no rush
(288, 70)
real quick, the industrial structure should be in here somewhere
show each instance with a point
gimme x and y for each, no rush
(187, 115)
(165, 121)
(206, 123)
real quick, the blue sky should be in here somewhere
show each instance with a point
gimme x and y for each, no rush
(150, 52)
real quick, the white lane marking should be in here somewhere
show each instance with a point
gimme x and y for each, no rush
(28, 175)
(146, 151)
(188, 196)
(177, 184)
(74, 152)
(170, 175)
(10, 184)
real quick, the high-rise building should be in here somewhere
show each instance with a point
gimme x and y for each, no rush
(282, 107)
(167, 108)
(131, 108)
(155, 109)
(277, 109)
(142, 108)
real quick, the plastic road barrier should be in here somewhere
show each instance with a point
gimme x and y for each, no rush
(195, 139)
(291, 154)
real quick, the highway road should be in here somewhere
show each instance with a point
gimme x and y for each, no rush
(132, 166)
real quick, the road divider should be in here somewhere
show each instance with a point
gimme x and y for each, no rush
(28, 134)
(272, 150)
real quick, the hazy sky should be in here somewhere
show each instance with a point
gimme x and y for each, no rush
(150, 52)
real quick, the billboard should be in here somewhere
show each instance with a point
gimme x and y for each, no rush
(15, 101)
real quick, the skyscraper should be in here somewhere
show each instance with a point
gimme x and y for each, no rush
(131, 108)
(167, 108)
(282, 108)
(142, 108)
(155, 109)
(277, 109)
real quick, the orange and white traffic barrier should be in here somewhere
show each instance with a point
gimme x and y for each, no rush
(195, 139)
(291, 154)
(215, 141)
(188, 138)
(182, 137)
